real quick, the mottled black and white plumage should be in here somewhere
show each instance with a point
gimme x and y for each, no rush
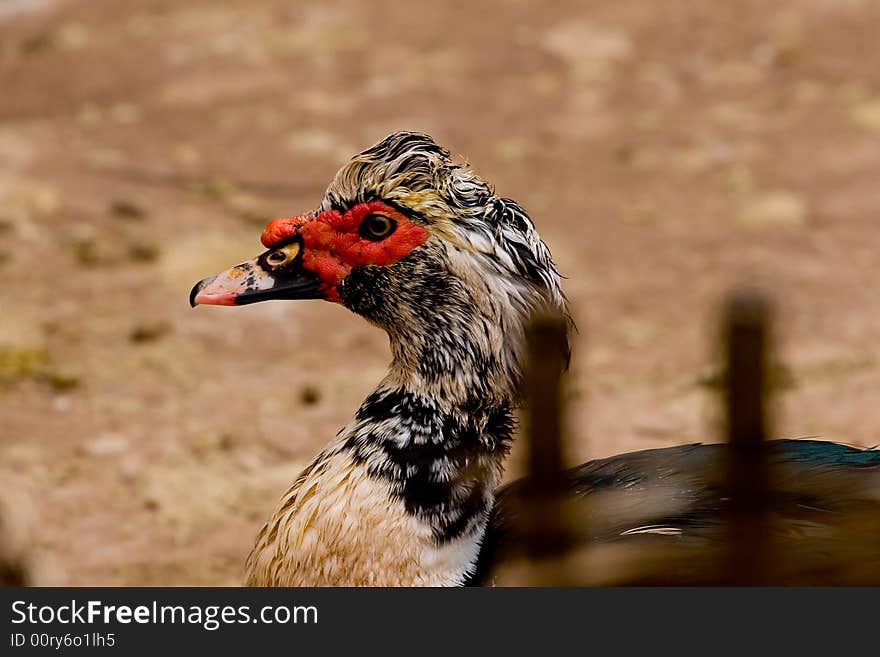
(405, 494)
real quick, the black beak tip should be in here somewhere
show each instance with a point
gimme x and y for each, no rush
(198, 287)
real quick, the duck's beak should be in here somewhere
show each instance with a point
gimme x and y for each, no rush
(275, 274)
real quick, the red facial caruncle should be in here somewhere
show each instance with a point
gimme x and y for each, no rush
(334, 243)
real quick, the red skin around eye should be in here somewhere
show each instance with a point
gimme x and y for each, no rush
(332, 246)
(279, 230)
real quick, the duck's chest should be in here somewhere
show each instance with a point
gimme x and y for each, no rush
(402, 497)
(343, 526)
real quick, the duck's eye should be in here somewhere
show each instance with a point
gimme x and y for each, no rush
(281, 256)
(377, 227)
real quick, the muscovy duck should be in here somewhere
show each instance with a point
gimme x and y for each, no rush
(405, 494)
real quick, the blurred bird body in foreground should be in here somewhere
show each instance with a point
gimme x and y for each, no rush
(406, 493)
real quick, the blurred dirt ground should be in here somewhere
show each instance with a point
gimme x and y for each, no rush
(665, 151)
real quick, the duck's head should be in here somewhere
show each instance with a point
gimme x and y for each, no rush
(415, 243)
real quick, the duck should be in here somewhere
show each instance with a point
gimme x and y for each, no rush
(408, 492)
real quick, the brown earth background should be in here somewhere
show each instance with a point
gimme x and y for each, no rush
(666, 151)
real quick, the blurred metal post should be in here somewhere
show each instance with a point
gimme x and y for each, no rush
(747, 337)
(545, 528)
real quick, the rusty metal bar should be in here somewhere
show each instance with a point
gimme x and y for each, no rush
(747, 343)
(545, 529)
(546, 340)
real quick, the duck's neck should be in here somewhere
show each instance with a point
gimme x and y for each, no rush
(442, 461)
(402, 495)
(437, 430)
(461, 359)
